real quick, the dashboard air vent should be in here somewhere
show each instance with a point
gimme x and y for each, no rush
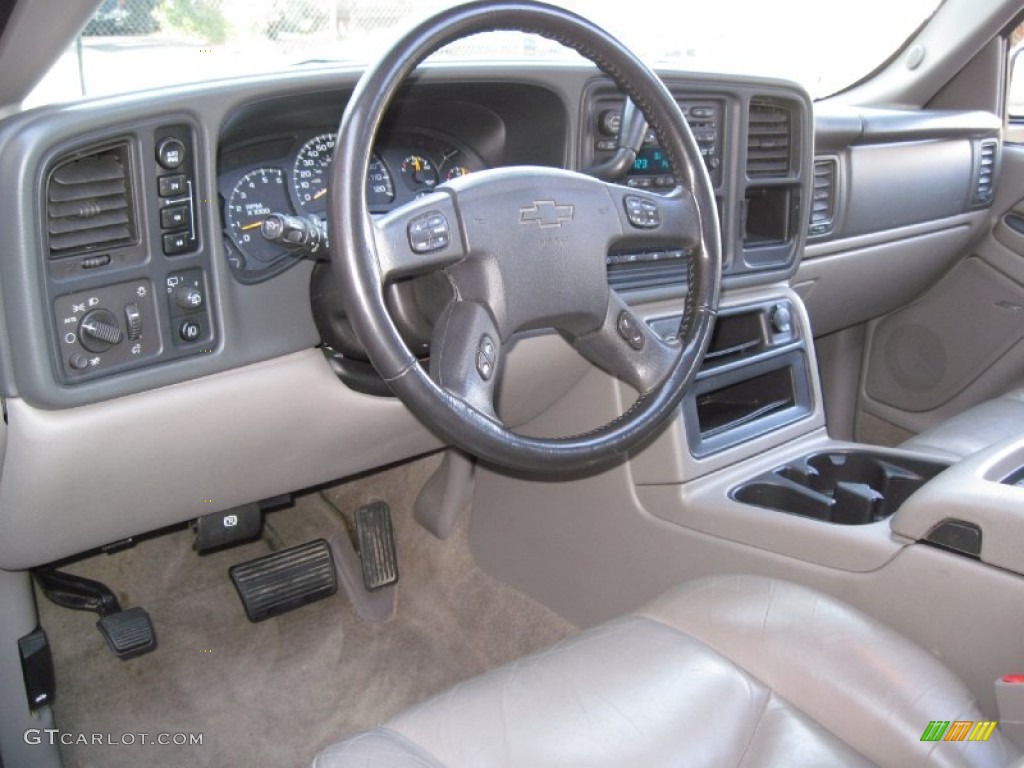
(768, 140)
(635, 272)
(985, 173)
(823, 206)
(88, 202)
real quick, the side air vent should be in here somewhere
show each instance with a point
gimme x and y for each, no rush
(823, 202)
(89, 202)
(768, 139)
(985, 173)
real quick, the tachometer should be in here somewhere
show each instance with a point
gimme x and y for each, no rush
(257, 194)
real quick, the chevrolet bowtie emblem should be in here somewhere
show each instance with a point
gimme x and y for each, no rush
(547, 213)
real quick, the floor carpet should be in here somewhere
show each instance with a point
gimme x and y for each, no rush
(277, 692)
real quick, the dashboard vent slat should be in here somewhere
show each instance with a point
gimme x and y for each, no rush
(985, 173)
(823, 200)
(769, 140)
(638, 276)
(88, 203)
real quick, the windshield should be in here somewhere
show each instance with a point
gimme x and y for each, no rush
(825, 45)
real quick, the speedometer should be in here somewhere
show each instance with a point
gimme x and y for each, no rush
(312, 170)
(309, 176)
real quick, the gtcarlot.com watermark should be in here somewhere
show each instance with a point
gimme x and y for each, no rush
(54, 737)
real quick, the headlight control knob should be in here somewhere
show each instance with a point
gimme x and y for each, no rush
(188, 297)
(98, 330)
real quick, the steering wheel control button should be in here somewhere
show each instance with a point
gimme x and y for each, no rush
(172, 185)
(170, 153)
(630, 330)
(642, 212)
(190, 330)
(99, 330)
(429, 232)
(486, 357)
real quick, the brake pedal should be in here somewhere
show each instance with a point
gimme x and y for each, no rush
(375, 537)
(284, 580)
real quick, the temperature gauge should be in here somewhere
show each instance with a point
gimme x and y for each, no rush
(418, 171)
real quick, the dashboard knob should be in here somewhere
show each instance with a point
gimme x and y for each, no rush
(781, 319)
(188, 297)
(98, 331)
(133, 320)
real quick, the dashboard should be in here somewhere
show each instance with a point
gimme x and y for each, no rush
(173, 277)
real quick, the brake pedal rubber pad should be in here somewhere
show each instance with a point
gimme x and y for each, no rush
(285, 580)
(129, 633)
(376, 540)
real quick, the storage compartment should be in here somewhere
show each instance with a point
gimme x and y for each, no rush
(740, 400)
(767, 216)
(745, 401)
(844, 487)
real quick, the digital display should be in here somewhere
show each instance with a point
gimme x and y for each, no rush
(651, 160)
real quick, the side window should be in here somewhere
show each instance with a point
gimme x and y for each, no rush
(1015, 91)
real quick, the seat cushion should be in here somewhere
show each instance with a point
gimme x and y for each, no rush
(731, 671)
(974, 429)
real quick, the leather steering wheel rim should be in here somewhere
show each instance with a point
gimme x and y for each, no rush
(366, 254)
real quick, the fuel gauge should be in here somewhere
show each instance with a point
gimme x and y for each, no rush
(455, 172)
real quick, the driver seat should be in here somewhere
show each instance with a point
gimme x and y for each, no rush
(725, 671)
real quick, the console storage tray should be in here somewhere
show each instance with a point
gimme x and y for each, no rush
(844, 487)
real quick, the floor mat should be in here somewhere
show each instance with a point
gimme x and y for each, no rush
(277, 692)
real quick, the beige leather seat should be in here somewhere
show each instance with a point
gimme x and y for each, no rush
(978, 427)
(729, 671)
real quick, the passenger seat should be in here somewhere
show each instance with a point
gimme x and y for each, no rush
(974, 429)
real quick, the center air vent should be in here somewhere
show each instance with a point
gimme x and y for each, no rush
(768, 140)
(823, 207)
(985, 172)
(88, 203)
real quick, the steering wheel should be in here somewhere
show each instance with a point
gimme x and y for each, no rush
(524, 248)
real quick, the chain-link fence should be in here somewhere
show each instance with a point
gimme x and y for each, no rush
(218, 21)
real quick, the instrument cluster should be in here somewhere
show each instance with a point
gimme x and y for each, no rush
(290, 176)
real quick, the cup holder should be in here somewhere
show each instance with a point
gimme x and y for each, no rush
(844, 487)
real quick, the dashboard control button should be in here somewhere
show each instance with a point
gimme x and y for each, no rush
(190, 330)
(98, 331)
(78, 361)
(605, 145)
(188, 297)
(429, 232)
(171, 185)
(133, 321)
(170, 153)
(642, 212)
(174, 217)
(177, 242)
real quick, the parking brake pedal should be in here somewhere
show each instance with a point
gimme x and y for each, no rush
(129, 633)
(376, 539)
(287, 579)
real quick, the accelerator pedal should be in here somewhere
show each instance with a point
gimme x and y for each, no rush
(284, 580)
(376, 539)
